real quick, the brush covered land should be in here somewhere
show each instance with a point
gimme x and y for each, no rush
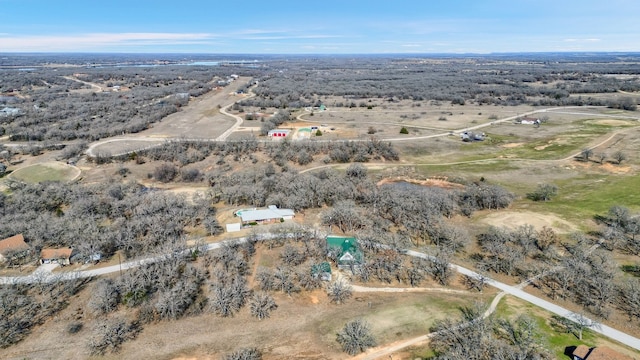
(521, 167)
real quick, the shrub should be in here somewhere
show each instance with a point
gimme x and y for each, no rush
(543, 192)
(165, 172)
(110, 335)
(244, 354)
(404, 130)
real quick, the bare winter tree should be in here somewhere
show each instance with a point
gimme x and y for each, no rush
(104, 298)
(109, 335)
(586, 154)
(261, 305)
(339, 291)
(355, 337)
(619, 156)
(629, 298)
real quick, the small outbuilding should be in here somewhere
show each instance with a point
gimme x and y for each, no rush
(529, 121)
(278, 133)
(322, 271)
(469, 136)
(234, 227)
(60, 256)
(13, 247)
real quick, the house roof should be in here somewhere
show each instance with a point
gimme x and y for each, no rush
(266, 214)
(345, 243)
(599, 353)
(605, 353)
(350, 252)
(323, 267)
(50, 253)
(581, 351)
(14, 243)
(280, 131)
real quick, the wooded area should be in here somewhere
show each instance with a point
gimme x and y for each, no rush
(125, 206)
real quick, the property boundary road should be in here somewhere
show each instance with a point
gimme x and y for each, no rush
(40, 276)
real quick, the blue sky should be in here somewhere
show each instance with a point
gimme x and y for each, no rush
(327, 27)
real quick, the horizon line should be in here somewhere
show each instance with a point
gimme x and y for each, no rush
(5, 53)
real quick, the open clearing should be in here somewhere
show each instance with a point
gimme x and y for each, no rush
(200, 119)
(514, 219)
(50, 171)
(303, 326)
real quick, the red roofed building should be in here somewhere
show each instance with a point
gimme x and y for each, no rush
(583, 352)
(13, 247)
(60, 256)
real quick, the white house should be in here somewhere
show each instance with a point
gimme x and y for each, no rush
(268, 215)
(278, 133)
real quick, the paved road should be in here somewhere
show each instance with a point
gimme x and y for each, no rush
(41, 276)
(553, 308)
(239, 119)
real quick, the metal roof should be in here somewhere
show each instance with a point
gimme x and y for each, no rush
(266, 214)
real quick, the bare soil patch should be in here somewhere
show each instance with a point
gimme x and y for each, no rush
(512, 145)
(436, 182)
(616, 169)
(513, 219)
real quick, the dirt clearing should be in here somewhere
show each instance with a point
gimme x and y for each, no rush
(515, 219)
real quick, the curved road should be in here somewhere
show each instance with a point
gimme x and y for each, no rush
(224, 110)
(239, 120)
(44, 276)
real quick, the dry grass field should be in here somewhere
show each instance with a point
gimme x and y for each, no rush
(48, 171)
(303, 326)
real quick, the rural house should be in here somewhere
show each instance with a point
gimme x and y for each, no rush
(60, 256)
(346, 251)
(13, 247)
(529, 121)
(278, 133)
(582, 352)
(265, 216)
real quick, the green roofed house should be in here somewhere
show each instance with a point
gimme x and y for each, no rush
(345, 250)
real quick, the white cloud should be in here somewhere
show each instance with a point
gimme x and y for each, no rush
(291, 37)
(582, 40)
(97, 41)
